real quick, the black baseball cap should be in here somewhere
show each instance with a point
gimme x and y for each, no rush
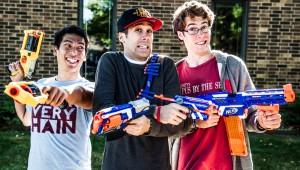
(133, 16)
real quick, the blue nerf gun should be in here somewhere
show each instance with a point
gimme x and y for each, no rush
(237, 104)
(227, 104)
(116, 117)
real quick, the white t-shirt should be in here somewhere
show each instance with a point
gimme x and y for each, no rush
(60, 137)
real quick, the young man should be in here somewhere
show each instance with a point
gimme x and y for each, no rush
(60, 136)
(207, 146)
(143, 144)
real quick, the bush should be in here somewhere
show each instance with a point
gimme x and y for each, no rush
(8, 116)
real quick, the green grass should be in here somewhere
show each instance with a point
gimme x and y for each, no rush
(276, 151)
(14, 149)
(270, 151)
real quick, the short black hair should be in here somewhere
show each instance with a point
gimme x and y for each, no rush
(73, 29)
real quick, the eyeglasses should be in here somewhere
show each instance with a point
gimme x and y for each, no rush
(196, 30)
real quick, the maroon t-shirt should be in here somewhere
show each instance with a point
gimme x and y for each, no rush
(205, 148)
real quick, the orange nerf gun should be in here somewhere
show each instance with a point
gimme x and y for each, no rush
(28, 93)
(30, 50)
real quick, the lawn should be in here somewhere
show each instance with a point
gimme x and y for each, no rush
(270, 151)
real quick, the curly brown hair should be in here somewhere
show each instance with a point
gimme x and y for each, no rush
(191, 9)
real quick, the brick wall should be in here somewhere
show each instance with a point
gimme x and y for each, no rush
(46, 15)
(273, 53)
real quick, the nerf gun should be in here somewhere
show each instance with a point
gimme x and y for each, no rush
(234, 106)
(30, 50)
(116, 117)
(28, 93)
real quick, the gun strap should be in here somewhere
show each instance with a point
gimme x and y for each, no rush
(235, 131)
(151, 69)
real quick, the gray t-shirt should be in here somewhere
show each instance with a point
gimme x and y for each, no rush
(60, 137)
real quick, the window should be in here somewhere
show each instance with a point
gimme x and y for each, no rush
(96, 18)
(230, 26)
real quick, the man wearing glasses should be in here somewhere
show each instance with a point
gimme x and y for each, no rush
(206, 146)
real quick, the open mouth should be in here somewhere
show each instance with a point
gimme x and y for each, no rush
(72, 61)
(202, 43)
(143, 47)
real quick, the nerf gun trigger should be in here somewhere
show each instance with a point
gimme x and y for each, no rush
(30, 50)
(289, 94)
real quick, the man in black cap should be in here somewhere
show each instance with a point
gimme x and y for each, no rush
(143, 144)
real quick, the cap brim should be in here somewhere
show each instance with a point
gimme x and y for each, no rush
(155, 23)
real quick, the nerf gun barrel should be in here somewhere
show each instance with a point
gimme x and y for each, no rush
(28, 93)
(30, 50)
(116, 117)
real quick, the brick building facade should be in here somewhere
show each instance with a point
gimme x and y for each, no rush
(272, 53)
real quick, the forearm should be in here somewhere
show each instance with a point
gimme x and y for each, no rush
(167, 130)
(22, 114)
(81, 96)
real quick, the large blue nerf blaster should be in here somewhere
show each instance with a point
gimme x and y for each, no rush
(233, 107)
(116, 117)
(236, 104)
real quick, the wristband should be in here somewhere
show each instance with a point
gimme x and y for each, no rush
(158, 113)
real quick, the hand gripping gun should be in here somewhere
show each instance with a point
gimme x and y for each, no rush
(116, 117)
(233, 107)
(30, 50)
(28, 93)
(199, 108)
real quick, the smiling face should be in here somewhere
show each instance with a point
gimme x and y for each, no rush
(137, 42)
(199, 43)
(70, 54)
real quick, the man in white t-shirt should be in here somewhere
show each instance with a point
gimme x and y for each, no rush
(60, 136)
